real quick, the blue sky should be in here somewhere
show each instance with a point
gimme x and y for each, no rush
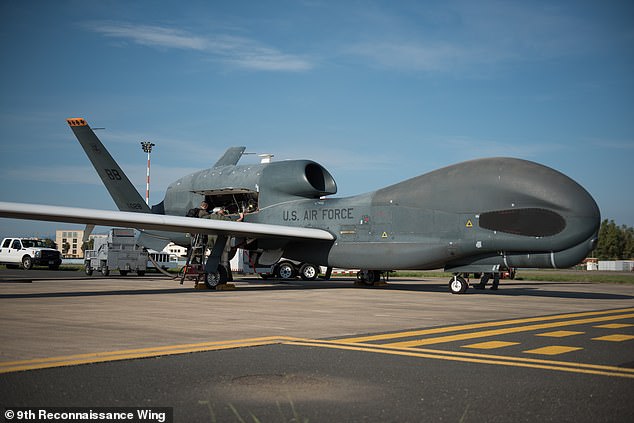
(376, 91)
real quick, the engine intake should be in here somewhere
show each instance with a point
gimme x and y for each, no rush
(281, 181)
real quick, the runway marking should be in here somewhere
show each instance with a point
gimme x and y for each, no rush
(614, 326)
(505, 331)
(614, 338)
(490, 345)
(398, 348)
(98, 357)
(456, 328)
(553, 350)
(563, 366)
(559, 333)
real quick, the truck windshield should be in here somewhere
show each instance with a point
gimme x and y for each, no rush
(28, 243)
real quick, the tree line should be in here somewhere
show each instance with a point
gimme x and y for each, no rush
(615, 242)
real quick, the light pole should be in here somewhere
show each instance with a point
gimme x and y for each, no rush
(147, 148)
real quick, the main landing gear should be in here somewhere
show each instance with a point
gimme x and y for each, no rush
(370, 277)
(458, 284)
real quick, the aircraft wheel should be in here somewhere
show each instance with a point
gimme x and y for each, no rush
(212, 280)
(286, 271)
(27, 262)
(458, 285)
(308, 272)
(369, 277)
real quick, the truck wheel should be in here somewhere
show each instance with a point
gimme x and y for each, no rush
(27, 262)
(88, 270)
(105, 271)
(308, 272)
(286, 270)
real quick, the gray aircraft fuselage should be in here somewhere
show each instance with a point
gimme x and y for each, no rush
(475, 216)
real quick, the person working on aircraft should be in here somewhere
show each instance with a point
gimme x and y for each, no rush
(200, 211)
(203, 209)
(220, 213)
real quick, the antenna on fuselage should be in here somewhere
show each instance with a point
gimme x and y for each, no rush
(266, 158)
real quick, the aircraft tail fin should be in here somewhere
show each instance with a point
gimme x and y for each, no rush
(125, 196)
(231, 157)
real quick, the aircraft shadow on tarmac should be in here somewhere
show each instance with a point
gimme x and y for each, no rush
(256, 285)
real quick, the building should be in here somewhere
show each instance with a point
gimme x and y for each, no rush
(617, 265)
(69, 243)
(172, 248)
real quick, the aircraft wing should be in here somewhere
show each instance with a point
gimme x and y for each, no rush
(158, 222)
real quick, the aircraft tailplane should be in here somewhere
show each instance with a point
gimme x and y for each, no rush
(125, 196)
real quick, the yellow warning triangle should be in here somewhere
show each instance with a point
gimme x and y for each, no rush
(469, 224)
(384, 235)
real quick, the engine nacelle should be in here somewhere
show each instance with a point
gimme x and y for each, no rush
(281, 181)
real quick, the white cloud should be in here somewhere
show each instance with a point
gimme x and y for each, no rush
(151, 35)
(236, 51)
(464, 35)
(411, 55)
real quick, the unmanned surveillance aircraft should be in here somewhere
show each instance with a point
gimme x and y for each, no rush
(481, 216)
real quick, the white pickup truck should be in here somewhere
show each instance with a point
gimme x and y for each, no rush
(27, 252)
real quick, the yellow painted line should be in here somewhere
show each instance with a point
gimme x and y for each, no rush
(553, 350)
(559, 333)
(614, 326)
(472, 355)
(98, 357)
(433, 331)
(490, 345)
(504, 331)
(614, 338)
(476, 358)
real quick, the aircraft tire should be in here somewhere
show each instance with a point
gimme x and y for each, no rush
(369, 277)
(286, 270)
(458, 285)
(308, 272)
(212, 280)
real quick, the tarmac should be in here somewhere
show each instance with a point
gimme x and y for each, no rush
(320, 351)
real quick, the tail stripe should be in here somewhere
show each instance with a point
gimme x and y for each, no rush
(76, 122)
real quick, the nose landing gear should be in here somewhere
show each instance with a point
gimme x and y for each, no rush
(458, 284)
